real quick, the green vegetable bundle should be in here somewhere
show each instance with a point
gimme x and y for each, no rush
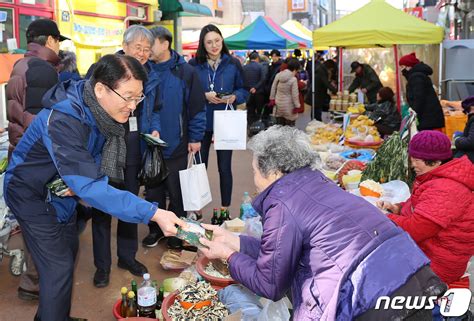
(390, 162)
(3, 164)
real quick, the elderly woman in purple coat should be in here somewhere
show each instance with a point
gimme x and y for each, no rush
(335, 252)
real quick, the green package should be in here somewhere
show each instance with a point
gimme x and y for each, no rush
(193, 232)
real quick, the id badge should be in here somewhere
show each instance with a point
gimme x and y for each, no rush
(132, 124)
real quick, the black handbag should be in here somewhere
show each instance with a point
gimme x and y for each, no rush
(153, 170)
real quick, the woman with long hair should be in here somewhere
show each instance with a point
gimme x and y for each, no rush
(222, 78)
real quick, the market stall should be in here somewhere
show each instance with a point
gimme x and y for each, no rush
(377, 25)
(295, 27)
(263, 33)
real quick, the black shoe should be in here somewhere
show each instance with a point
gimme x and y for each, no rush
(27, 295)
(134, 267)
(152, 239)
(101, 278)
(175, 243)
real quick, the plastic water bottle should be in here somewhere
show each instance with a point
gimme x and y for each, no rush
(246, 209)
(146, 298)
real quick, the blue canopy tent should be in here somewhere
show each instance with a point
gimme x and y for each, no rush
(260, 34)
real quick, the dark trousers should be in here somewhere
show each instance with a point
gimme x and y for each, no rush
(285, 122)
(53, 247)
(255, 104)
(172, 186)
(224, 165)
(127, 233)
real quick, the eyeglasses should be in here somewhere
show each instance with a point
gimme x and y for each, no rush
(136, 101)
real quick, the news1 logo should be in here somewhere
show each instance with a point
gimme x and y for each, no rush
(453, 303)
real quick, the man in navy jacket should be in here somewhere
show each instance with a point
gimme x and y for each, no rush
(174, 88)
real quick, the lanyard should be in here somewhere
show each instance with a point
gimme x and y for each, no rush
(211, 81)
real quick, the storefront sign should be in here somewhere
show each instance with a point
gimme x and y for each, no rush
(417, 12)
(92, 31)
(296, 5)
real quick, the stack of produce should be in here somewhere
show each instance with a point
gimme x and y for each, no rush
(362, 130)
(391, 162)
(356, 108)
(329, 133)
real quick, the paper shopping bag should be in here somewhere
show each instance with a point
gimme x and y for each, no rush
(230, 129)
(195, 189)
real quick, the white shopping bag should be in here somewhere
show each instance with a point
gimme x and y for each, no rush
(195, 189)
(230, 129)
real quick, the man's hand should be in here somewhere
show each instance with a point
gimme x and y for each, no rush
(223, 236)
(69, 192)
(253, 90)
(212, 98)
(194, 147)
(364, 90)
(167, 221)
(155, 133)
(215, 250)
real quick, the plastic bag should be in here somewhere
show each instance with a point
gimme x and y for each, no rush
(394, 192)
(238, 298)
(154, 170)
(273, 311)
(253, 227)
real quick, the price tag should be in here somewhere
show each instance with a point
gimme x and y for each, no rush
(132, 124)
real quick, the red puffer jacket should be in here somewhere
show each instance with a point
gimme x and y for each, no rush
(443, 196)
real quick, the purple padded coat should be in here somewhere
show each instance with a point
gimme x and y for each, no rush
(335, 251)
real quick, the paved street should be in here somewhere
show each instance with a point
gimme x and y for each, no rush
(96, 304)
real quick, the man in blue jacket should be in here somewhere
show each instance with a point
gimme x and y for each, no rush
(78, 137)
(175, 89)
(137, 42)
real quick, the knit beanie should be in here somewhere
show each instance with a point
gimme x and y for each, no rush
(409, 60)
(467, 104)
(430, 145)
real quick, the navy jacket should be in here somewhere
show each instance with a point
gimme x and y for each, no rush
(64, 139)
(254, 76)
(228, 79)
(175, 94)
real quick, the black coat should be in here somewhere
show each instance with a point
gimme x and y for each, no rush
(321, 86)
(422, 97)
(385, 113)
(368, 80)
(465, 143)
(273, 69)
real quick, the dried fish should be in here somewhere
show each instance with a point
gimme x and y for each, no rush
(212, 271)
(194, 293)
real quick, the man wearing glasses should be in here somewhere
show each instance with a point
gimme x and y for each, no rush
(137, 43)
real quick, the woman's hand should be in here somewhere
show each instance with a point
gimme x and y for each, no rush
(392, 208)
(231, 100)
(223, 236)
(212, 98)
(215, 249)
(167, 221)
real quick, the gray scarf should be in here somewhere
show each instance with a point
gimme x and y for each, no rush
(115, 150)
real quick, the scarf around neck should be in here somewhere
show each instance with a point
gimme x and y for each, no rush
(115, 149)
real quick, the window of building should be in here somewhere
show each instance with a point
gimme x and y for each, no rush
(6, 28)
(6, 1)
(43, 3)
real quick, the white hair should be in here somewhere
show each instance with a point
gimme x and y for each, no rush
(282, 149)
(137, 32)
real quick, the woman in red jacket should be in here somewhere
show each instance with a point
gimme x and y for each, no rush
(439, 215)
